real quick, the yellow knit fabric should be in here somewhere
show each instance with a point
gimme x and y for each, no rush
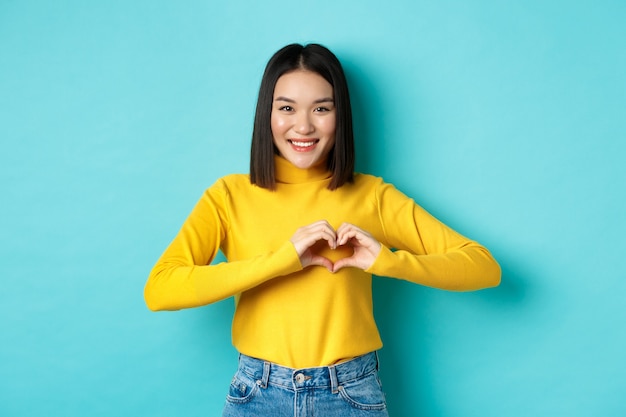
(307, 317)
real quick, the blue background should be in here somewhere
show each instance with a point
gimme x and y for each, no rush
(504, 119)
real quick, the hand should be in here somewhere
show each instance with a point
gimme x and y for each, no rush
(306, 238)
(366, 248)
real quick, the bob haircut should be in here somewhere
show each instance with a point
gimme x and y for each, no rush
(318, 59)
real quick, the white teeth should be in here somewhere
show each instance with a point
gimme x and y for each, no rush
(302, 144)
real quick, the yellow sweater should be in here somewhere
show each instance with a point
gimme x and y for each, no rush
(306, 317)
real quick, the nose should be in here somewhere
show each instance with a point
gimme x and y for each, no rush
(304, 124)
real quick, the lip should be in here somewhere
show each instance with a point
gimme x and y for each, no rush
(303, 145)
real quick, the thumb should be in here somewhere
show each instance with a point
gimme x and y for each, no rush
(322, 261)
(343, 263)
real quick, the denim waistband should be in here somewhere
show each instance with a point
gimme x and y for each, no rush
(332, 377)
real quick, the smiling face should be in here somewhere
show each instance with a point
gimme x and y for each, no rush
(303, 118)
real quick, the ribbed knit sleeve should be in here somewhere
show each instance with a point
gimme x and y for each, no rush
(183, 276)
(426, 251)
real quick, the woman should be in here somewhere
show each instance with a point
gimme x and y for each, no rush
(303, 235)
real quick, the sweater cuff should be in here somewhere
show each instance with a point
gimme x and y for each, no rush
(382, 263)
(287, 255)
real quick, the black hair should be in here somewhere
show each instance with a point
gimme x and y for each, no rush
(318, 59)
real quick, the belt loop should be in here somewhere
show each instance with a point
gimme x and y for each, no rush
(334, 384)
(377, 362)
(266, 374)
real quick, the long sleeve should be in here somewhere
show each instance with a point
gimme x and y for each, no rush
(306, 317)
(428, 252)
(183, 276)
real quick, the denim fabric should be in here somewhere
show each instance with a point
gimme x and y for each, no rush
(349, 389)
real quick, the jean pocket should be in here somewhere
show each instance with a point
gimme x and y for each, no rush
(365, 393)
(242, 389)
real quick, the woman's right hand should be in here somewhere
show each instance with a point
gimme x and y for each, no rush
(305, 239)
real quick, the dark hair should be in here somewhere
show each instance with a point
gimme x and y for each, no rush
(315, 58)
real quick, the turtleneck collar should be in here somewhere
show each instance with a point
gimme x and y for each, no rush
(287, 173)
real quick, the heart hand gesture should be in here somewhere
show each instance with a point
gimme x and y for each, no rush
(365, 247)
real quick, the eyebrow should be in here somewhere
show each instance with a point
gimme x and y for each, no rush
(318, 101)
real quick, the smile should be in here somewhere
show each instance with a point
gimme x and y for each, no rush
(303, 145)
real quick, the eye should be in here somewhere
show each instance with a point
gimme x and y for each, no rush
(285, 108)
(321, 109)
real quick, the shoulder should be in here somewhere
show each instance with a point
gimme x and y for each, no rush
(236, 179)
(365, 187)
(379, 188)
(231, 182)
(369, 183)
(367, 180)
(227, 186)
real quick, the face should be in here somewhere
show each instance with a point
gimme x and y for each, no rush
(303, 118)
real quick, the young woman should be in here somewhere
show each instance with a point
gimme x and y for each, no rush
(303, 235)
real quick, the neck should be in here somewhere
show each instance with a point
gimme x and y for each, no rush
(287, 173)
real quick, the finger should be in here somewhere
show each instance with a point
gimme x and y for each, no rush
(344, 227)
(361, 261)
(357, 237)
(307, 236)
(322, 261)
(342, 263)
(344, 235)
(323, 227)
(324, 234)
(305, 243)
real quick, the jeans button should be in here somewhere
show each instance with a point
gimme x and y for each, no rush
(300, 378)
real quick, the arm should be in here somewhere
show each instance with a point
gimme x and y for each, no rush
(183, 278)
(428, 252)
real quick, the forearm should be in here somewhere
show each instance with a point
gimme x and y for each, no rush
(429, 252)
(469, 268)
(175, 284)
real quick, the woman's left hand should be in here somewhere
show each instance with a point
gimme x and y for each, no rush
(366, 247)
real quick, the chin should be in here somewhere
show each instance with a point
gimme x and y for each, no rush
(306, 164)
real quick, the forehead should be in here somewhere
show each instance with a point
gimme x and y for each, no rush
(302, 84)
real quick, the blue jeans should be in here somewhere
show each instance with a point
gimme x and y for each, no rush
(349, 389)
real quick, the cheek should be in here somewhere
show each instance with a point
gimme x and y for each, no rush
(278, 126)
(329, 126)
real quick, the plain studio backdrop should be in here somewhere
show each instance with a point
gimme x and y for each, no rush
(506, 120)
